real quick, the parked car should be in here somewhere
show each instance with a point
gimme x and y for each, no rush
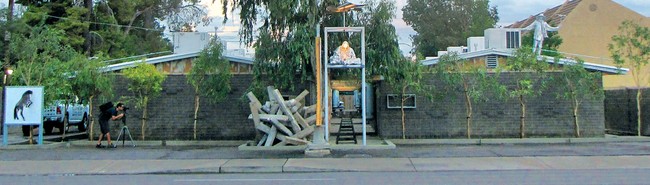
(55, 115)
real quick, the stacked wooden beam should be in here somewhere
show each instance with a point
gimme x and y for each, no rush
(282, 122)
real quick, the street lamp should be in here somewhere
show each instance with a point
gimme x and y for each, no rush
(344, 8)
(7, 73)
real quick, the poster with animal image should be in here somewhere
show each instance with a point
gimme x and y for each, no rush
(24, 106)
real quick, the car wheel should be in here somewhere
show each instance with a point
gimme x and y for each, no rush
(84, 123)
(48, 128)
(26, 130)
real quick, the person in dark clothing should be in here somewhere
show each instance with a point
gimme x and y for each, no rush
(109, 115)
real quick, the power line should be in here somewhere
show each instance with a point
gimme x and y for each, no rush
(99, 23)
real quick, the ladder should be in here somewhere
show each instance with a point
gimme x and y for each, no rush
(346, 131)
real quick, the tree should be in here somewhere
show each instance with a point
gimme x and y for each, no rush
(89, 82)
(475, 82)
(285, 47)
(210, 76)
(382, 48)
(444, 23)
(118, 28)
(41, 60)
(527, 71)
(631, 48)
(146, 83)
(407, 76)
(576, 84)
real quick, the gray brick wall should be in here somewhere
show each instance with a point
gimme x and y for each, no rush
(171, 114)
(621, 114)
(547, 116)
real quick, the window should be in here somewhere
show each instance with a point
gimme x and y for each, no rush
(512, 39)
(393, 101)
(492, 61)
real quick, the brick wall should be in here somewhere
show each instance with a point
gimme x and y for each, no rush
(547, 116)
(171, 115)
(621, 111)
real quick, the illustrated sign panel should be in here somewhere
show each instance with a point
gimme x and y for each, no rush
(24, 106)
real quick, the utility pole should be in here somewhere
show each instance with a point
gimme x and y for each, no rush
(7, 36)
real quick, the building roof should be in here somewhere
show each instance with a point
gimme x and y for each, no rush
(174, 57)
(554, 16)
(509, 53)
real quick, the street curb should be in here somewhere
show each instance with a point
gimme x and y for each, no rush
(611, 139)
(45, 145)
(221, 143)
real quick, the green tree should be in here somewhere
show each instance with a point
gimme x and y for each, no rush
(408, 77)
(41, 60)
(145, 81)
(285, 46)
(576, 84)
(631, 48)
(444, 23)
(529, 83)
(475, 82)
(89, 82)
(381, 38)
(210, 76)
(118, 28)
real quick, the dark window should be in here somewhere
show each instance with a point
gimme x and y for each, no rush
(512, 39)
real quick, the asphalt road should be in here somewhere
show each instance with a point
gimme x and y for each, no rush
(545, 177)
(407, 151)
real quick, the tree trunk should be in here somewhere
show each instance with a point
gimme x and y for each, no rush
(135, 16)
(522, 127)
(7, 34)
(468, 106)
(66, 118)
(89, 14)
(575, 118)
(196, 112)
(92, 118)
(638, 111)
(144, 115)
(403, 114)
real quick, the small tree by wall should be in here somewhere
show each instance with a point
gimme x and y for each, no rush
(474, 81)
(631, 48)
(146, 83)
(210, 76)
(90, 82)
(523, 65)
(406, 76)
(577, 85)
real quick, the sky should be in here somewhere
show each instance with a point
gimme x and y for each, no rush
(510, 11)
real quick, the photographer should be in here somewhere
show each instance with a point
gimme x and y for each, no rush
(104, 117)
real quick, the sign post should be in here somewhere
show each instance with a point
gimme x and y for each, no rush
(23, 106)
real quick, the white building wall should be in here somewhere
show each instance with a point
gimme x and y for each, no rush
(476, 44)
(186, 42)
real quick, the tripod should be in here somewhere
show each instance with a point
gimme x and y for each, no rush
(124, 132)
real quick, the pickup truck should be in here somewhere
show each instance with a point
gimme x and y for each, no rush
(55, 114)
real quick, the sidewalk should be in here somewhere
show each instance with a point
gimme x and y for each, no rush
(306, 165)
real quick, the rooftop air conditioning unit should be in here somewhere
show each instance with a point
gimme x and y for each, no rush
(502, 38)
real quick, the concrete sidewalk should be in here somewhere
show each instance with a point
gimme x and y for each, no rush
(304, 165)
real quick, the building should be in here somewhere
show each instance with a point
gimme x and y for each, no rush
(498, 44)
(587, 26)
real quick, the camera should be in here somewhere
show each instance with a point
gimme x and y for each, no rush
(126, 108)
